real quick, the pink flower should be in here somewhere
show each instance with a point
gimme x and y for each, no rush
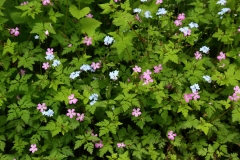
(15, 31)
(171, 135)
(198, 55)
(24, 3)
(69, 45)
(87, 40)
(99, 145)
(121, 145)
(33, 148)
(138, 18)
(45, 2)
(221, 56)
(42, 107)
(178, 22)
(238, 29)
(188, 33)
(45, 65)
(158, 68)
(46, 33)
(181, 16)
(196, 96)
(137, 69)
(72, 100)
(80, 117)
(159, 1)
(89, 15)
(95, 65)
(188, 97)
(136, 112)
(22, 72)
(117, 0)
(237, 89)
(71, 113)
(49, 51)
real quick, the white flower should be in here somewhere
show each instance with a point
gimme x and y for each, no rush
(204, 49)
(36, 37)
(137, 10)
(224, 10)
(49, 57)
(108, 40)
(85, 67)
(195, 88)
(93, 98)
(184, 30)
(207, 78)
(48, 113)
(73, 75)
(193, 25)
(148, 14)
(143, 0)
(56, 63)
(113, 75)
(222, 2)
(161, 11)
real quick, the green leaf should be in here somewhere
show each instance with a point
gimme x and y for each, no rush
(17, 18)
(54, 15)
(89, 146)
(25, 116)
(78, 13)
(9, 47)
(89, 25)
(236, 115)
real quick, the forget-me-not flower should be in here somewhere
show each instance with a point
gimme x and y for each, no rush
(49, 57)
(137, 10)
(195, 88)
(193, 25)
(204, 49)
(207, 78)
(161, 11)
(108, 40)
(113, 75)
(74, 75)
(148, 14)
(56, 63)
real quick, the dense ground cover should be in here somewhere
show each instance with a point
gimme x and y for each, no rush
(111, 79)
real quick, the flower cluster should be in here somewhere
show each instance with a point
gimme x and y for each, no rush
(222, 2)
(171, 135)
(74, 75)
(186, 31)
(181, 17)
(87, 40)
(147, 77)
(121, 145)
(221, 56)
(159, 1)
(136, 112)
(33, 148)
(93, 98)
(195, 88)
(114, 75)
(45, 2)
(72, 100)
(24, 3)
(15, 31)
(204, 49)
(42, 108)
(71, 113)
(207, 78)
(49, 56)
(108, 40)
(161, 11)
(235, 95)
(193, 25)
(198, 55)
(158, 68)
(99, 144)
(48, 113)
(223, 11)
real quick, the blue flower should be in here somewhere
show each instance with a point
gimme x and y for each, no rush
(207, 78)
(85, 67)
(108, 40)
(161, 11)
(56, 63)
(204, 49)
(148, 14)
(113, 75)
(74, 75)
(137, 10)
(195, 88)
(93, 98)
(49, 57)
(48, 113)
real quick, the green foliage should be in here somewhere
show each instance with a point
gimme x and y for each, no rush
(72, 106)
